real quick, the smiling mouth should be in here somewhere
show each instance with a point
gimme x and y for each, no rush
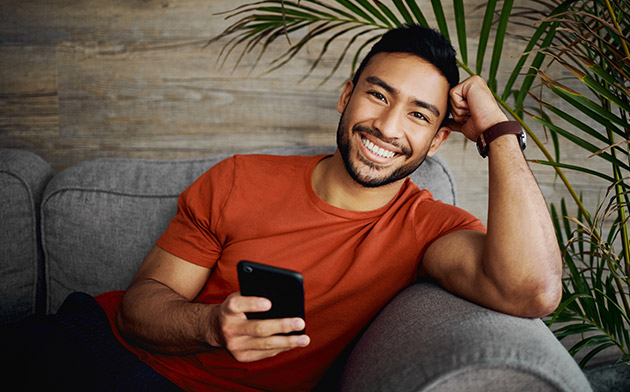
(376, 150)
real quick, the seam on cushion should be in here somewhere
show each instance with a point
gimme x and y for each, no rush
(219, 156)
(154, 161)
(45, 253)
(33, 231)
(451, 180)
(107, 191)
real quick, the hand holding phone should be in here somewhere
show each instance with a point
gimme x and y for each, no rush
(284, 288)
(252, 340)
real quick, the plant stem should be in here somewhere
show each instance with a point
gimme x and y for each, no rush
(616, 23)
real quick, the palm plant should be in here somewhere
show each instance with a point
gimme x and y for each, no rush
(592, 44)
(586, 37)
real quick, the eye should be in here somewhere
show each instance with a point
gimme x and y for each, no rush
(377, 95)
(420, 116)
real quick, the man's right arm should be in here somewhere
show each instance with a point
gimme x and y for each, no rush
(158, 313)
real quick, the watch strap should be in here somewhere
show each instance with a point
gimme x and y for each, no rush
(498, 129)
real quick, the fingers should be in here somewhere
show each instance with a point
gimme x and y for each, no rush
(247, 349)
(237, 304)
(251, 340)
(474, 107)
(459, 104)
(273, 327)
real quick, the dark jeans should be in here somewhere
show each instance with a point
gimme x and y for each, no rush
(73, 350)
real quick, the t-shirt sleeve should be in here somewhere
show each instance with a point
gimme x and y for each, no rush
(194, 233)
(438, 219)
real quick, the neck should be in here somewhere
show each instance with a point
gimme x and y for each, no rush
(332, 183)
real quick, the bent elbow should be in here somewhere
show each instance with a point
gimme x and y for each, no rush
(544, 301)
(547, 302)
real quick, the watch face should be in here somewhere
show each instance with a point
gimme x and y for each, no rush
(523, 139)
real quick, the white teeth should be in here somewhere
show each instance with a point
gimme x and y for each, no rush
(377, 150)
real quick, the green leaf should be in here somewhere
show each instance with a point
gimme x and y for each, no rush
(498, 42)
(594, 352)
(358, 11)
(304, 13)
(573, 120)
(417, 13)
(556, 223)
(538, 59)
(285, 58)
(460, 24)
(588, 342)
(565, 304)
(589, 108)
(400, 6)
(342, 13)
(355, 60)
(604, 92)
(342, 56)
(326, 45)
(616, 305)
(372, 10)
(390, 15)
(608, 77)
(583, 144)
(486, 25)
(573, 329)
(565, 221)
(440, 19)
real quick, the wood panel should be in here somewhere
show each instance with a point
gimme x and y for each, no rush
(92, 78)
(134, 79)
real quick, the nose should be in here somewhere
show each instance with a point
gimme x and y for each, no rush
(389, 122)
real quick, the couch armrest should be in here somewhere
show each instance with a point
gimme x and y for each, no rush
(23, 176)
(427, 339)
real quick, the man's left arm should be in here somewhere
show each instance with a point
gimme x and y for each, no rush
(516, 267)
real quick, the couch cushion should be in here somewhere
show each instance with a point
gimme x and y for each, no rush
(101, 217)
(23, 176)
(427, 339)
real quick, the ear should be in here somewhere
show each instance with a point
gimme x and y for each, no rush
(439, 138)
(345, 96)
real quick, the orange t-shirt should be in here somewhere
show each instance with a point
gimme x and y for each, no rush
(264, 209)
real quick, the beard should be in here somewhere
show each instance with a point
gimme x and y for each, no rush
(350, 158)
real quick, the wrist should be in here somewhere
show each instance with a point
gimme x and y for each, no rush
(211, 331)
(499, 130)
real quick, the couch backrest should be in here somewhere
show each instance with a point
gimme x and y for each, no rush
(101, 217)
(23, 176)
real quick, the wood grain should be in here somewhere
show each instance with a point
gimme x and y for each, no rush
(133, 78)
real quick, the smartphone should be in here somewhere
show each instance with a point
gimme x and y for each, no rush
(283, 287)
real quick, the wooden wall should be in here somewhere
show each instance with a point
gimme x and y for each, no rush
(131, 78)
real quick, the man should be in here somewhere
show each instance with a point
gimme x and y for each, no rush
(352, 223)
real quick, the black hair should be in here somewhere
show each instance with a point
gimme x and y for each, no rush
(426, 43)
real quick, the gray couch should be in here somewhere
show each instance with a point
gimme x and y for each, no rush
(87, 228)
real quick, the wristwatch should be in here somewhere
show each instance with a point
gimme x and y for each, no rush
(500, 129)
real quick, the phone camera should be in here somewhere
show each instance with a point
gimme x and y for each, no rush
(248, 269)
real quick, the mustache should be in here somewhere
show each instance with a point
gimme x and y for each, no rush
(377, 134)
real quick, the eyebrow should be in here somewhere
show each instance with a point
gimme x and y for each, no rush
(379, 82)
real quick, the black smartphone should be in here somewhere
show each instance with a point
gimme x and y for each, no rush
(283, 287)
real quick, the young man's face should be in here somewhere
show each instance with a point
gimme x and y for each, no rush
(391, 119)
